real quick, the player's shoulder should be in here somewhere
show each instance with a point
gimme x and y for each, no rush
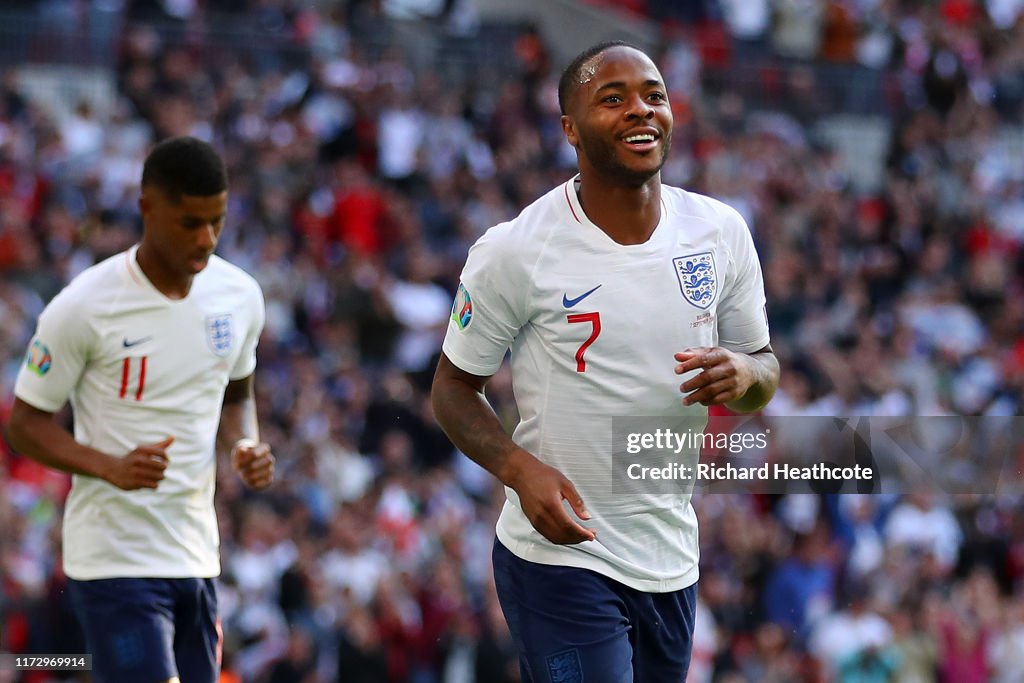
(224, 274)
(110, 269)
(524, 236)
(684, 203)
(94, 286)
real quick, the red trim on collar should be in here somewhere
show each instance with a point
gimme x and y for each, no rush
(569, 202)
(131, 270)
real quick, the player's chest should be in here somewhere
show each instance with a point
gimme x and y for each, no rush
(631, 307)
(150, 352)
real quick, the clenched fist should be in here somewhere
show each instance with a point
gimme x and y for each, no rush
(143, 468)
(254, 463)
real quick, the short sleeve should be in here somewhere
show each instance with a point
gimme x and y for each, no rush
(57, 354)
(246, 363)
(488, 311)
(742, 320)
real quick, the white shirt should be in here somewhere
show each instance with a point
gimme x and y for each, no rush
(934, 530)
(401, 134)
(695, 282)
(747, 19)
(139, 367)
(421, 308)
(843, 634)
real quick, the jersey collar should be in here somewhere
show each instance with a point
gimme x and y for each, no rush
(598, 237)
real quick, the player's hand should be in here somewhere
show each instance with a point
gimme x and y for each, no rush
(725, 375)
(541, 490)
(143, 468)
(254, 463)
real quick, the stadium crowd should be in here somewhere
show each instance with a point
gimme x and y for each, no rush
(360, 177)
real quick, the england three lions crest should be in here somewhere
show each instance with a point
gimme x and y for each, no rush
(219, 334)
(698, 280)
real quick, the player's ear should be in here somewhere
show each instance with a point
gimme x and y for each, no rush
(569, 128)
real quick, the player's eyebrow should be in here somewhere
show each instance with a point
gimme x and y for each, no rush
(190, 218)
(650, 82)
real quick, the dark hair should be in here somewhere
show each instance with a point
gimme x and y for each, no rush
(185, 166)
(570, 79)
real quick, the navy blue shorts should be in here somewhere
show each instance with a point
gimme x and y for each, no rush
(149, 630)
(574, 625)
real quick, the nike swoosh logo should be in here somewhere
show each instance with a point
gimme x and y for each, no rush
(569, 303)
(134, 342)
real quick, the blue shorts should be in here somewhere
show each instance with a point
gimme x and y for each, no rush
(574, 625)
(149, 630)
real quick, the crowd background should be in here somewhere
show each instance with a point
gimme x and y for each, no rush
(370, 143)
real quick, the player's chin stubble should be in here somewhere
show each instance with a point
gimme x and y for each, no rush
(604, 159)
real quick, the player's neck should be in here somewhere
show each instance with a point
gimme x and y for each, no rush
(628, 215)
(170, 284)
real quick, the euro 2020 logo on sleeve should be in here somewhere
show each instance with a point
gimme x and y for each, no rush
(219, 334)
(462, 309)
(698, 280)
(38, 358)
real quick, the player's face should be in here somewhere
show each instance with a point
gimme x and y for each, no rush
(619, 118)
(184, 233)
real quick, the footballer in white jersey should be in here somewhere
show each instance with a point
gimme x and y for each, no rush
(138, 367)
(593, 326)
(155, 349)
(617, 297)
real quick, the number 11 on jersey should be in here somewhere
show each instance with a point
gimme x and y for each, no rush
(126, 376)
(595, 320)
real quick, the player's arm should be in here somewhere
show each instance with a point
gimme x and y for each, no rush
(467, 418)
(744, 382)
(239, 435)
(37, 434)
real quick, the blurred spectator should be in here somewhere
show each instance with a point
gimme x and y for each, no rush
(796, 32)
(422, 308)
(297, 665)
(801, 590)
(361, 657)
(915, 645)
(1007, 649)
(920, 524)
(855, 643)
(839, 33)
(402, 131)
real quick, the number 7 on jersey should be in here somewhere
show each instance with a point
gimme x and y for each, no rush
(595, 320)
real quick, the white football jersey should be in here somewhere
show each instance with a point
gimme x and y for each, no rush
(139, 367)
(593, 326)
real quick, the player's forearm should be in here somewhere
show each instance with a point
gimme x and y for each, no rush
(765, 367)
(238, 419)
(468, 420)
(35, 434)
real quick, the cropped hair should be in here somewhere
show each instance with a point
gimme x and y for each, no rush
(185, 166)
